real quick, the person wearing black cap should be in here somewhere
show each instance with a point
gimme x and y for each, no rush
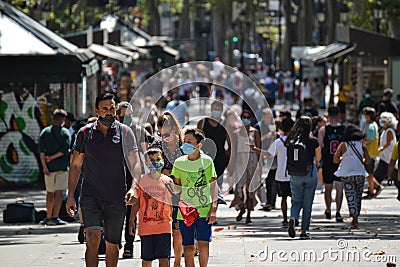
(387, 104)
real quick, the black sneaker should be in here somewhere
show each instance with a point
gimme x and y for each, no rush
(81, 234)
(304, 236)
(339, 217)
(285, 223)
(291, 230)
(328, 215)
(296, 222)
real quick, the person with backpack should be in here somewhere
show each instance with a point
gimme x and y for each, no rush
(104, 194)
(351, 155)
(302, 151)
(329, 138)
(278, 149)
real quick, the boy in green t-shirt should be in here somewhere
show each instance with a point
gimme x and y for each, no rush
(195, 173)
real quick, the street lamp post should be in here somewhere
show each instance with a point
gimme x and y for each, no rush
(242, 19)
(321, 20)
(378, 14)
(344, 14)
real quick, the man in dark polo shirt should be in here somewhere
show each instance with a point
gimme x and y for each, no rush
(103, 144)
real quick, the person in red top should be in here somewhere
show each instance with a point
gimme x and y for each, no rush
(154, 207)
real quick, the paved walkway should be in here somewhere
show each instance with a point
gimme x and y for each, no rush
(234, 244)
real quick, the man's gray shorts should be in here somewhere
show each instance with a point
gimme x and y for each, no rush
(108, 216)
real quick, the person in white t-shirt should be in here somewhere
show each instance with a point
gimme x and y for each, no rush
(282, 178)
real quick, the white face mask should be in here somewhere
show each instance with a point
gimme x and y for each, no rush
(148, 104)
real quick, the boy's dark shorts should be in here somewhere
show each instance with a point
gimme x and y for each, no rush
(370, 167)
(283, 189)
(155, 247)
(199, 229)
(112, 213)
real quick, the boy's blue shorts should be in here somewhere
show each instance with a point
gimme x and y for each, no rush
(200, 230)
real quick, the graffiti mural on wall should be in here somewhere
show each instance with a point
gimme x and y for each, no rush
(19, 136)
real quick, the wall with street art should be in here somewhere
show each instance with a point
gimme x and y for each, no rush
(19, 135)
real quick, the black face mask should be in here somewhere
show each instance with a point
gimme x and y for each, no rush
(106, 121)
(127, 120)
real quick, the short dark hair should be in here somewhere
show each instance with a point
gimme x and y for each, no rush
(153, 150)
(197, 133)
(217, 103)
(59, 113)
(102, 97)
(286, 125)
(333, 111)
(285, 113)
(70, 116)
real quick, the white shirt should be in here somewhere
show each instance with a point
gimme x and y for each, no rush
(351, 165)
(277, 148)
(386, 154)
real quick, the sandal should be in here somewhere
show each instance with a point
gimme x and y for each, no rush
(127, 254)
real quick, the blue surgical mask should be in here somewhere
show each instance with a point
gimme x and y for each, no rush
(363, 118)
(246, 121)
(106, 121)
(380, 123)
(216, 114)
(367, 95)
(157, 165)
(187, 148)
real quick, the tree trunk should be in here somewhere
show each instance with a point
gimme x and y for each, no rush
(305, 25)
(332, 19)
(184, 21)
(286, 50)
(394, 26)
(154, 22)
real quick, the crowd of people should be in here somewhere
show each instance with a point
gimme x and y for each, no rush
(139, 170)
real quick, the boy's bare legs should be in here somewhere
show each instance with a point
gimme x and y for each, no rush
(147, 263)
(92, 248)
(204, 248)
(328, 197)
(163, 262)
(189, 255)
(177, 245)
(112, 254)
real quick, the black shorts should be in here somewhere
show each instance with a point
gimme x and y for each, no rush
(381, 171)
(283, 189)
(328, 177)
(155, 247)
(370, 167)
(108, 216)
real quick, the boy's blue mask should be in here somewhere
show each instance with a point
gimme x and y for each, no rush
(187, 148)
(157, 165)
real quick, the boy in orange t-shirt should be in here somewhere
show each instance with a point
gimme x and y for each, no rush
(154, 207)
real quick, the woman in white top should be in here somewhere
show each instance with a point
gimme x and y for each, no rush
(387, 140)
(351, 155)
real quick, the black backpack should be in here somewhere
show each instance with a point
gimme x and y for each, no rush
(297, 163)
